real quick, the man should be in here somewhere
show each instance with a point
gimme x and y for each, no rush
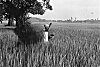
(46, 35)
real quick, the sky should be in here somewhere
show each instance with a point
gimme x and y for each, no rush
(79, 9)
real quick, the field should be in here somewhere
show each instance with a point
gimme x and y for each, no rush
(74, 45)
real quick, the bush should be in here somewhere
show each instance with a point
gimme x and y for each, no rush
(29, 33)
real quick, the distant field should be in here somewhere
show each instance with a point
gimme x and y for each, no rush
(82, 26)
(77, 26)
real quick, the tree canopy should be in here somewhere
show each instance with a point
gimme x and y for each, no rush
(17, 8)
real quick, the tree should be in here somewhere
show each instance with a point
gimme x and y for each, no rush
(19, 8)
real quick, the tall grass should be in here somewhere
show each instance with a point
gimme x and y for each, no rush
(69, 48)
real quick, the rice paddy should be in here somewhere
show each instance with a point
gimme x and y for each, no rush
(74, 45)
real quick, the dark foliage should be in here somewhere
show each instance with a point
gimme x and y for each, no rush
(29, 33)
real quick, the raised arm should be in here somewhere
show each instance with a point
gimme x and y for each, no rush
(47, 26)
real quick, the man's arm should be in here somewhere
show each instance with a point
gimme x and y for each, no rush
(50, 25)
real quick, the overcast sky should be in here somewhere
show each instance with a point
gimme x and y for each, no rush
(81, 9)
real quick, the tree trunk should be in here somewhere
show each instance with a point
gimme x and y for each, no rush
(10, 22)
